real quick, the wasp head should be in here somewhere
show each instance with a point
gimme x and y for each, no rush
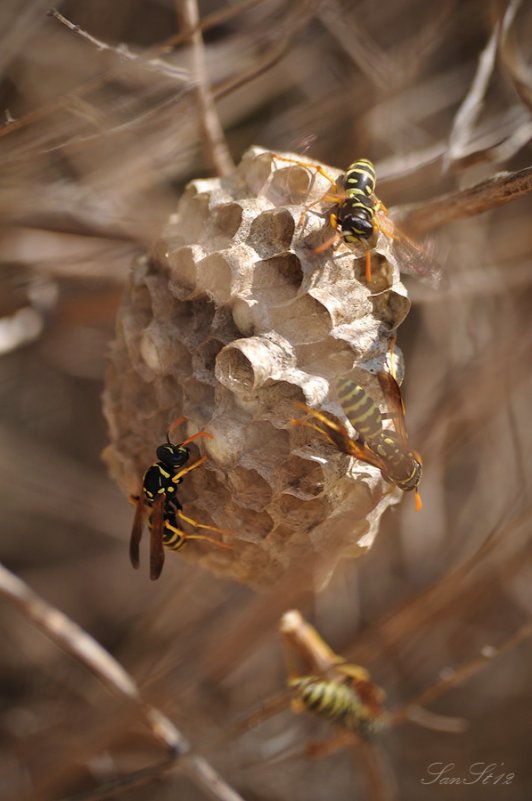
(173, 455)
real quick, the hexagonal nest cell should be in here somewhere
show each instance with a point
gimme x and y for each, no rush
(230, 319)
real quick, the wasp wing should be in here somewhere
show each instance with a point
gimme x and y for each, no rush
(156, 537)
(136, 532)
(394, 401)
(412, 257)
(339, 437)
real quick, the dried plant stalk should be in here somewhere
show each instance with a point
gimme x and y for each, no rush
(231, 319)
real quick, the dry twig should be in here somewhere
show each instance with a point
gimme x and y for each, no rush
(503, 188)
(409, 712)
(469, 111)
(217, 149)
(76, 642)
(80, 645)
(123, 52)
(511, 57)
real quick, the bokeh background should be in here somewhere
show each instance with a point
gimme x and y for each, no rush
(97, 141)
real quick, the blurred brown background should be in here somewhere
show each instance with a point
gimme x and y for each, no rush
(95, 148)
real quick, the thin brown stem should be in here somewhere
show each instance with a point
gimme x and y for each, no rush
(469, 111)
(459, 676)
(92, 84)
(80, 645)
(122, 51)
(296, 20)
(503, 188)
(203, 775)
(76, 642)
(214, 137)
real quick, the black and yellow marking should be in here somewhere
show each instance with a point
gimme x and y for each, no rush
(360, 177)
(401, 466)
(386, 449)
(159, 495)
(360, 408)
(335, 701)
(357, 212)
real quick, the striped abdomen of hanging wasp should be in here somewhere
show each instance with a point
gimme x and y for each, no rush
(400, 465)
(337, 702)
(356, 212)
(173, 537)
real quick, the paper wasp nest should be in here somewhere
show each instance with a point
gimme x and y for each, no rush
(231, 319)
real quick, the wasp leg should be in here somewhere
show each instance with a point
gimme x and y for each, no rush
(332, 239)
(328, 197)
(179, 537)
(192, 522)
(316, 167)
(305, 424)
(212, 541)
(369, 276)
(323, 748)
(179, 475)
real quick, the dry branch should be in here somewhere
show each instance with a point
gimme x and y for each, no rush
(501, 189)
(216, 145)
(123, 52)
(81, 646)
(469, 111)
(410, 710)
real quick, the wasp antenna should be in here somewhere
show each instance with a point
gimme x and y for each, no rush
(197, 436)
(177, 422)
(419, 503)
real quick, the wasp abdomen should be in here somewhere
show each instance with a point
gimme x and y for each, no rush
(360, 408)
(403, 468)
(360, 178)
(337, 702)
(356, 213)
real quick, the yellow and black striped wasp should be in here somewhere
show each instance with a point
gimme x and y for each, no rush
(159, 496)
(333, 689)
(381, 447)
(358, 214)
(349, 700)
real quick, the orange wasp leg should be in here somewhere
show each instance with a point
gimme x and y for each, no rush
(185, 537)
(369, 276)
(192, 522)
(328, 197)
(316, 167)
(179, 475)
(305, 424)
